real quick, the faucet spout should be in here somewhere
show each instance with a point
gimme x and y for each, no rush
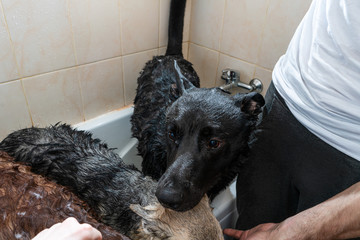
(254, 85)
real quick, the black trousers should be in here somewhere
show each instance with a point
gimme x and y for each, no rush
(289, 169)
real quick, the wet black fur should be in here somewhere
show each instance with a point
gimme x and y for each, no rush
(193, 122)
(151, 102)
(186, 166)
(153, 95)
(93, 171)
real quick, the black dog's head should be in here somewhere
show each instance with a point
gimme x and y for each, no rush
(207, 131)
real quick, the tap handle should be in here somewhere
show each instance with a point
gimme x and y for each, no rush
(229, 75)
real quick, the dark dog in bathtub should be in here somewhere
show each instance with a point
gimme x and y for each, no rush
(118, 194)
(192, 139)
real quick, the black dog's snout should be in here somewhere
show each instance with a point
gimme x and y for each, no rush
(169, 197)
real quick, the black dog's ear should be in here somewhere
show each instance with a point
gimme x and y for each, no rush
(175, 92)
(250, 103)
(181, 82)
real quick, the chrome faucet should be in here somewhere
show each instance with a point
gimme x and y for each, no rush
(232, 79)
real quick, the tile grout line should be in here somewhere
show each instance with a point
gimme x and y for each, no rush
(121, 50)
(262, 36)
(120, 30)
(159, 20)
(76, 67)
(220, 41)
(112, 58)
(72, 32)
(10, 39)
(226, 54)
(222, 26)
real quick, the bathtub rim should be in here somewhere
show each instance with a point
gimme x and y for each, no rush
(105, 118)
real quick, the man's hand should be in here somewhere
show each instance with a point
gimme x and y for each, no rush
(70, 229)
(260, 232)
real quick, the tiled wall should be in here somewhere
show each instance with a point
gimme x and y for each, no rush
(246, 35)
(72, 60)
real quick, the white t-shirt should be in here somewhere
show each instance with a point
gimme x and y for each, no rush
(319, 76)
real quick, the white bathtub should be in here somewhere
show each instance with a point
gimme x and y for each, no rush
(114, 128)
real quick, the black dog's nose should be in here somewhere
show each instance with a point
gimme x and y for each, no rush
(169, 197)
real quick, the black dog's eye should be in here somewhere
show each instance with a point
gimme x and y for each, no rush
(214, 143)
(172, 135)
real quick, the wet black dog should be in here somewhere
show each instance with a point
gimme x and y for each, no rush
(156, 91)
(118, 194)
(192, 139)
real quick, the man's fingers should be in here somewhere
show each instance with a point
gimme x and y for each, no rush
(233, 232)
(88, 232)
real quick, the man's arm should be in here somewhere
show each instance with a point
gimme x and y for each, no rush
(336, 218)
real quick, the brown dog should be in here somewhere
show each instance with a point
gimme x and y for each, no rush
(29, 203)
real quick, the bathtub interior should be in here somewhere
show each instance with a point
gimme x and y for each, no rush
(114, 128)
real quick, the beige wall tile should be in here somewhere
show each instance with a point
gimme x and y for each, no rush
(204, 61)
(206, 22)
(162, 51)
(96, 28)
(139, 24)
(246, 70)
(54, 97)
(13, 109)
(185, 49)
(41, 33)
(164, 21)
(282, 20)
(243, 25)
(265, 76)
(133, 64)
(102, 87)
(8, 68)
(38, 36)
